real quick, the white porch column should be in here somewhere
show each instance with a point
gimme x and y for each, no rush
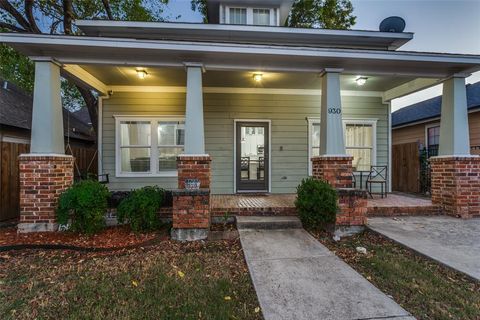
(454, 131)
(331, 126)
(194, 128)
(47, 117)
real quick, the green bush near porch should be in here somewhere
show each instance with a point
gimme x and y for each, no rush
(316, 203)
(83, 205)
(140, 209)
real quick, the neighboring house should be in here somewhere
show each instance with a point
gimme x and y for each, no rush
(420, 122)
(246, 93)
(16, 119)
(15, 133)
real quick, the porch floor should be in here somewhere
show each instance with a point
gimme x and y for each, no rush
(283, 204)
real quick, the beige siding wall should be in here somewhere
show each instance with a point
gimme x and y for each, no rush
(409, 134)
(287, 114)
(416, 132)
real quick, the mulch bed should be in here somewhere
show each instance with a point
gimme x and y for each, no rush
(111, 238)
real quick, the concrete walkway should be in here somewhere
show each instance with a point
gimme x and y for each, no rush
(450, 241)
(296, 277)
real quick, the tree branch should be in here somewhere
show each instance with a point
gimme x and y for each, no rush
(106, 5)
(67, 16)
(11, 27)
(91, 103)
(29, 14)
(5, 5)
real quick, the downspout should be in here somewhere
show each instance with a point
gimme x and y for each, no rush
(100, 133)
(390, 146)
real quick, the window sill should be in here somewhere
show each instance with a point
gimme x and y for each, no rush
(166, 174)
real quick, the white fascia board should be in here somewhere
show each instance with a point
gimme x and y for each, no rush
(188, 46)
(92, 24)
(81, 75)
(366, 60)
(409, 88)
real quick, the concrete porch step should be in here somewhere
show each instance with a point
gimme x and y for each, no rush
(268, 222)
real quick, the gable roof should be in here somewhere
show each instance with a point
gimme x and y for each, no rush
(431, 108)
(16, 111)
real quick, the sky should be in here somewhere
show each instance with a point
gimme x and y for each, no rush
(451, 26)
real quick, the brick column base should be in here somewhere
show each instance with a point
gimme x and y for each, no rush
(194, 167)
(191, 208)
(42, 179)
(352, 207)
(335, 170)
(191, 214)
(456, 185)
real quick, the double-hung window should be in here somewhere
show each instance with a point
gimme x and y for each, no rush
(249, 16)
(148, 146)
(433, 139)
(238, 15)
(360, 142)
(261, 17)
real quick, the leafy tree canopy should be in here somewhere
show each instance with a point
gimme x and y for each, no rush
(326, 14)
(57, 17)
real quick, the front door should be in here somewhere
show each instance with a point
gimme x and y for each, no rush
(252, 156)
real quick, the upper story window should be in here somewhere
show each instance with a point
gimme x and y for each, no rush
(249, 16)
(238, 16)
(261, 17)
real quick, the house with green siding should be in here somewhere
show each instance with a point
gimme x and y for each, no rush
(258, 100)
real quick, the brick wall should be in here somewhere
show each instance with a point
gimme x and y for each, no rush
(42, 180)
(335, 170)
(191, 209)
(352, 207)
(456, 185)
(194, 167)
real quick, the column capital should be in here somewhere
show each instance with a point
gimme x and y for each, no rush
(195, 65)
(330, 70)
(458, 75)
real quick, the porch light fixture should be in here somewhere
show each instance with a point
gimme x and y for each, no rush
(257, 77)
(141, 73)
(361, 80)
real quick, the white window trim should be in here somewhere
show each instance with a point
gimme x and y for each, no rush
(372, 122)
(428, 126)
(225, 14)
(154, 120)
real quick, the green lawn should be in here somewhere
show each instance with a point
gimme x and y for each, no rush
(168, 281)
(425, 288)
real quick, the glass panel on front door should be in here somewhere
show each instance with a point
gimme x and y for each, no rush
(252, 156)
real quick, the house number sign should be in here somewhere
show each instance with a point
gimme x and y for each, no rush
(334, 110)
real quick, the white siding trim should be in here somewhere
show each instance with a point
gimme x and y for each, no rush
(235, 151)
(180, 89)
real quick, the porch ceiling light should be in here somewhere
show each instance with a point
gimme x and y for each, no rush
(361, 80)
(141, 73)
(257, 77)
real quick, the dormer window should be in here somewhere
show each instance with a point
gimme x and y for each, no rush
(238, 15)
(249, 16)
(261, 17)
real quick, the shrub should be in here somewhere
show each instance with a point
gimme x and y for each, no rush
(316, 203)
(140, 209)
(83, 205)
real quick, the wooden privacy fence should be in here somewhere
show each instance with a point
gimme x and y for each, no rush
(406, 167)
(9, 175)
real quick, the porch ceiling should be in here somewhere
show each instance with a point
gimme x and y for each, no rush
(127, 76)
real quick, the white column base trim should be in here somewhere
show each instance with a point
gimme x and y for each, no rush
(36, 227)
(45, 155)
